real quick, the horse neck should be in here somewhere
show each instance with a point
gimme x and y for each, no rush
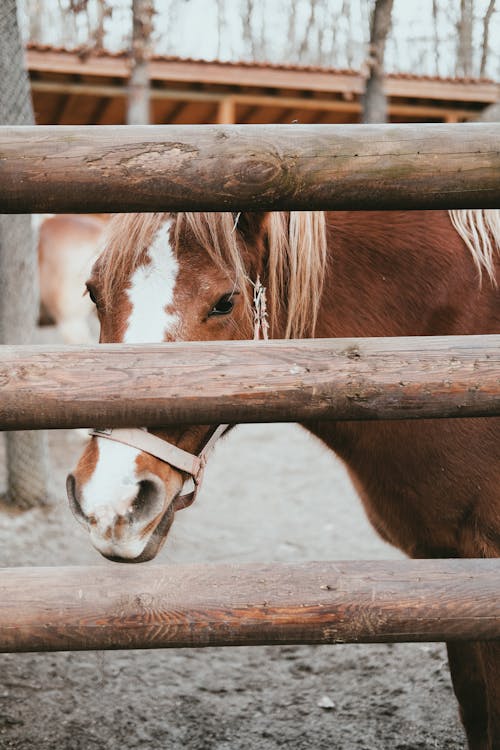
(400, 274)
(396, 274)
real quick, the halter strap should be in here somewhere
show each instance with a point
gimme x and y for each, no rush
(194, 465)
(140, 438)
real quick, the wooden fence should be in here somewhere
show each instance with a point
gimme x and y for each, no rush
(248, 167)
(241, 381)
(167, 606)
(255, 168)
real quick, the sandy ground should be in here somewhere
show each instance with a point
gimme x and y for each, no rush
(271, 493)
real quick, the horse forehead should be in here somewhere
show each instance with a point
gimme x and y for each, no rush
(159, 255)
(151, 290)
(156, 267)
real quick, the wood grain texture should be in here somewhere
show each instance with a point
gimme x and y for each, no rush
(246, 167)
(88, 608)
(240, 381)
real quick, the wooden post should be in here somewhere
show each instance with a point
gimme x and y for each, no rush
(249, 167)
(226, 111)
(241, 381)
(172, 606)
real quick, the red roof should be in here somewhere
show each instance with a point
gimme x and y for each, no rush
(84, 51)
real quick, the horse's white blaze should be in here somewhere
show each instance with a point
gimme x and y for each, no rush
(108, 496)
(152, 291)
(111, 490)
(113, 485)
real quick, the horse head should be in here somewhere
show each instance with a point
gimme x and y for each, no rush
(182, 277)
(166, 277)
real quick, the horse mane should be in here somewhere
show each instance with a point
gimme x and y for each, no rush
(297, 247)
(480, 230)
(296, 243)
(297, 268)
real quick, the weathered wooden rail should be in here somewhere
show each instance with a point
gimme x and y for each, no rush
(241, 381)
(60, 609)
(249, 167)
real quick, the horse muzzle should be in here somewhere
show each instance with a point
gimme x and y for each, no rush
(131, 530)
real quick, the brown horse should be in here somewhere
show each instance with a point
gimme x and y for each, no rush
(67, 247)
(430, 487)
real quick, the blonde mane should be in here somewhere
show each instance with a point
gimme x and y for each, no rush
(296, 243)
(480, 230)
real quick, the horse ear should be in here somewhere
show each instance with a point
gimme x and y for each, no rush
(251, 224)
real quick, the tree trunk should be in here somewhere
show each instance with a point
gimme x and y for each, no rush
(464, 48)
(102, 13)
(437, 42)
(27, 458)
(304, 48)
(138, 109)
(486, 37)
(248, 30)
(492, 112)
(221, 12)
(375, 100)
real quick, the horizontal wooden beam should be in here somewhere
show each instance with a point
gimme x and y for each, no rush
(415, 109)
(170, 606)
(241, 381)
(93, 169)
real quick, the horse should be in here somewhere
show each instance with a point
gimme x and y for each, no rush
(430, 487)
(67, 247)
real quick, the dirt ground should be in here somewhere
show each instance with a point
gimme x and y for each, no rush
(271, 493)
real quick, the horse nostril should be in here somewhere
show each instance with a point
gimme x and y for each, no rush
(148, 501)
(73, 499)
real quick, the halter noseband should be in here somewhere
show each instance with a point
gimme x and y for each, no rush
(194, 465)
(140, 438)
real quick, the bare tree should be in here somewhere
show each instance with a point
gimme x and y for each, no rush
(374, 99)
(221, 11)
(81, 9)
(311, 22)
(104, 11)
(138, 109)
(464, 45)
(27, 459)
(491, 113)
(486, 37)
(248, 34)
(291, 29)
(347, 14)
(318, 32)
(436, 40)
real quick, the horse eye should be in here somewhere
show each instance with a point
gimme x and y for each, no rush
(92, 294)
(223, 306)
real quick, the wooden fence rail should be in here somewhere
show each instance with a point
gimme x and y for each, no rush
(243, 167)
(242, 381)
(60, 609)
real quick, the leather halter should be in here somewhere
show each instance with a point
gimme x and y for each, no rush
(140, 438)
(194, 465)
